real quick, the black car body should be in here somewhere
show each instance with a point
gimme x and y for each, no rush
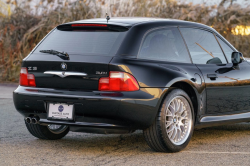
(161, 55)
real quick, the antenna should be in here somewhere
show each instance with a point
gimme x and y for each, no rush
(107, 17)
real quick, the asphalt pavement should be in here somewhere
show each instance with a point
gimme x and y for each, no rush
(224, 145)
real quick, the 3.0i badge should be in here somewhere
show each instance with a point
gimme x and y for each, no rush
(64, 66)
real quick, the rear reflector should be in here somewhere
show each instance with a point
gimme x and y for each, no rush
(118, 81)
(26, 79)
(89, 25)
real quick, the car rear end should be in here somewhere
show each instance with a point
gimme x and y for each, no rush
(82, 91)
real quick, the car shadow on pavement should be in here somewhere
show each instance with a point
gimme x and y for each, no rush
(99, 143)
(128, 149)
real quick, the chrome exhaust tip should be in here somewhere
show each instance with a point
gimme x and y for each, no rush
(34, 120)
(28, 120)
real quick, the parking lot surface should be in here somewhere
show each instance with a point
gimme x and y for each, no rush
(224, 145)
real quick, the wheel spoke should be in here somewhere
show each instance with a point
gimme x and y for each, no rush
(169, 113)
(176, 105)
(178, 134)
(180, 111)
(171, 108)
(171, 128)
(181, 124)
(174, 134)
(170, 133)
(184, 114)
(169, 123)
(182, 128)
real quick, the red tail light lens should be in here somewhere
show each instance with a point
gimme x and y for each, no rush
(26, 79)
(118, 81)
(88, 25)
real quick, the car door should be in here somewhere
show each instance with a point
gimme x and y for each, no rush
(227, 86)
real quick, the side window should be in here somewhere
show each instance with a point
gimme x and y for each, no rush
(227, 50)
(166, 45)
(203, 46)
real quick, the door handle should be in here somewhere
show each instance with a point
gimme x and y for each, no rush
(212, 76)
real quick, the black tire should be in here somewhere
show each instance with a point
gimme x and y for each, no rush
(43, 132)
(156, 135)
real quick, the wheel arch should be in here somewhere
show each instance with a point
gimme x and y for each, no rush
(186, 87)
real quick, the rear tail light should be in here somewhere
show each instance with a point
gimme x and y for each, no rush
(26, 79)
(118, 81)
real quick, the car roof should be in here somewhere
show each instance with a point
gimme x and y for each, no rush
(132, 21)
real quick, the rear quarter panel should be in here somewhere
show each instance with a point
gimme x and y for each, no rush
(157, 75)
(150, 73)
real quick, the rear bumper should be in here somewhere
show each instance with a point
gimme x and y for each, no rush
(93, 109)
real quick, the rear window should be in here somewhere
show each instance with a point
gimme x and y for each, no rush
(96, 42)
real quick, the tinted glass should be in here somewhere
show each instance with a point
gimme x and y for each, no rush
(83, 42)
(227, 50)
(203, 46)
(165, 45)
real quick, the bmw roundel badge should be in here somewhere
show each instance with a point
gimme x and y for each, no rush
(64, 66)
(60, 108)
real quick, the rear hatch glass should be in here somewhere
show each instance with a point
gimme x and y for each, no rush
(89, 50)
(105, 43)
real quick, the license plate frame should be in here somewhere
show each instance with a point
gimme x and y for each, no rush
(70, 109)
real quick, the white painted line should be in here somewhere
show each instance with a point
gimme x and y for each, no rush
(207, 152)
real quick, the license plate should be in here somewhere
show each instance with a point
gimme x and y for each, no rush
(60, 111)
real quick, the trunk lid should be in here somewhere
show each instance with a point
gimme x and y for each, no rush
(93, 66)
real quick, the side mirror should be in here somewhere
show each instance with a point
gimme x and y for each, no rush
(237, 58)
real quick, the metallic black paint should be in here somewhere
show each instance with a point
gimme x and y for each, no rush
(229, 92)
(226, 95)
(137, 108)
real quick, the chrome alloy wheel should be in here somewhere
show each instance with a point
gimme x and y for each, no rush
(57, 129)
(178, 120)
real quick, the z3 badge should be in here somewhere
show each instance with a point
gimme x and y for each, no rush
(32, 68)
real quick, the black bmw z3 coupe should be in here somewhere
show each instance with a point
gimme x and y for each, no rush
(165, 77)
